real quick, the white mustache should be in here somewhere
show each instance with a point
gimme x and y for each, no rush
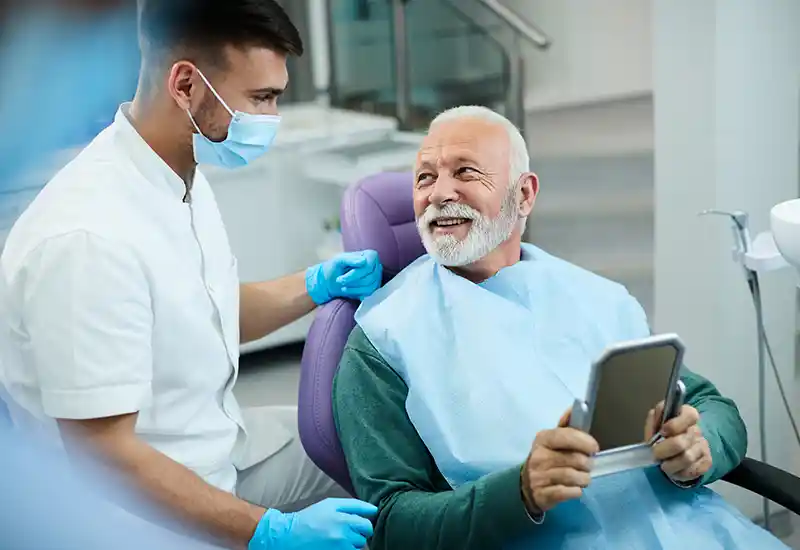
(450, 210)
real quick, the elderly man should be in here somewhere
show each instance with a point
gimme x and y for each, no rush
(451, 396)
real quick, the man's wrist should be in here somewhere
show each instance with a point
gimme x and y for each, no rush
(691, 484)
(535, 514)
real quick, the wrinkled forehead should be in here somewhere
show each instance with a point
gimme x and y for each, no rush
(455, 142)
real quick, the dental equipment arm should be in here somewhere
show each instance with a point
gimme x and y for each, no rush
(759, 255)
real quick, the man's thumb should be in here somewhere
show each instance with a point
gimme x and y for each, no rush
(649, 425)
(563, 422)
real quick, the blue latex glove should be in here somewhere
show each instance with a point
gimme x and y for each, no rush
(353, 275)
(333, 524)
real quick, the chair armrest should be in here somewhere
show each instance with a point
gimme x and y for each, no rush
(775, 484)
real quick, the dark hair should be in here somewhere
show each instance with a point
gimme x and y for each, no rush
(202, 28)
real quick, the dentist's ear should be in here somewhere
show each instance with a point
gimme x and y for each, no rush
(529, 189)
(185, 85)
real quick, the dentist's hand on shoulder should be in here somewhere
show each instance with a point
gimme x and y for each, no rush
(333, 524)
(354, 275)
(557, 469)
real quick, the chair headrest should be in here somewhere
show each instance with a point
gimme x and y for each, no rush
(378, 213)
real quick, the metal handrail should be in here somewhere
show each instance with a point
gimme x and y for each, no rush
(509, 64)
(401, 64)
(515, 100)
(522, 29)
(519, 24)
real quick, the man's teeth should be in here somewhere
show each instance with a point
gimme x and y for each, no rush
(449, 221)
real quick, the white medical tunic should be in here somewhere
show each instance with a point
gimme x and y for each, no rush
(119, 296)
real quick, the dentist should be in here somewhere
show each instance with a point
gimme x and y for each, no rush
(121, 299)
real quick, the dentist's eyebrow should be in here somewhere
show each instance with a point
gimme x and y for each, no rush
(265, 91)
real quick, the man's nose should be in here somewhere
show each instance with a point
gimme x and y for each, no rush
(444, 191)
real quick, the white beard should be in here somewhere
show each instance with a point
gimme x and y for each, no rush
(485, 234)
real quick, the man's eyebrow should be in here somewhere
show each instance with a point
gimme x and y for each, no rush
(270, 91)
(464, 159)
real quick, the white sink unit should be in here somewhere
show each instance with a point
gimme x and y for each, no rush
(785, 224)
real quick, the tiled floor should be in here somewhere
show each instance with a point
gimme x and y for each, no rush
(271, 378)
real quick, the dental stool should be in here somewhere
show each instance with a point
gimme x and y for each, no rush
(377, 213)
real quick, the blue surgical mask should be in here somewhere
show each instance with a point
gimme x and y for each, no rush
(249, 137)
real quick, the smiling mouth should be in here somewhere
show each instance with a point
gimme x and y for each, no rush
(449, 222)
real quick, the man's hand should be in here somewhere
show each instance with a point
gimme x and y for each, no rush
(558, 467)
(684, 453)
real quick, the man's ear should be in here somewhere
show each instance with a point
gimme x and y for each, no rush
(529, 189)
(184, 86)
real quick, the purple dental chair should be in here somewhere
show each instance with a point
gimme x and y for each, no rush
(377, 214)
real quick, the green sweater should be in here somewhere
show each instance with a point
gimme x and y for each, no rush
(391, 467)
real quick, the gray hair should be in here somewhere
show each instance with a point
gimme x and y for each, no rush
(519, 159)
